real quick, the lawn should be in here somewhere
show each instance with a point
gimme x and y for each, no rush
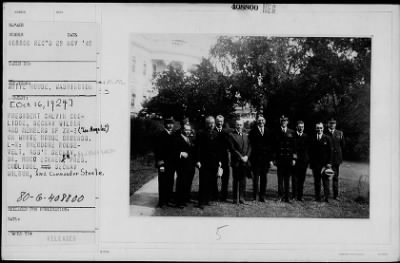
(353, 203)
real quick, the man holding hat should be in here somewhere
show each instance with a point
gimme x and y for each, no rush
(320, 160)
(223, 149)
(166, 162)
(337, 153)
(284, 157)
(208, 160)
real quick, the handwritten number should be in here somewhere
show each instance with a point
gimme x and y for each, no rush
(217, 232)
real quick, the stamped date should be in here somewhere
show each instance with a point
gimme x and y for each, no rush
(66, 198)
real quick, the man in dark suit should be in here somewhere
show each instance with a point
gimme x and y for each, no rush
(285, 157)
(320, 159)
(300, 169)
(185, 165)
(338, 144)
(240, 152)
(260, 158)
(208, 161)
(223, 151)
(166, 162)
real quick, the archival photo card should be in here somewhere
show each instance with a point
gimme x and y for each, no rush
(200, 132)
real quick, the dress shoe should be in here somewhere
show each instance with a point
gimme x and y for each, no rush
(262, 199)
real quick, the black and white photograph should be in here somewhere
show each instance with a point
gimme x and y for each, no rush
(249, 126)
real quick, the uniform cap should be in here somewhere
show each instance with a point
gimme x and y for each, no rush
(283, 118)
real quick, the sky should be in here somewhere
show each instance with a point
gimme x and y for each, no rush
(197, 45)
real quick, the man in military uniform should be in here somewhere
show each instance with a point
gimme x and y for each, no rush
(240, 151)
(285, 157)
(223, 151)
(166, 162)
(300, 169)
(320, 159)
(208, 161)
(338, 144)
(261, 156)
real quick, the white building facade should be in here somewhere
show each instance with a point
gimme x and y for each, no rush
(150, 55)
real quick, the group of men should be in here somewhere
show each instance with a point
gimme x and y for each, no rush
(216, 148)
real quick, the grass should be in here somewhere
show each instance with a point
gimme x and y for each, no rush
(353, 203)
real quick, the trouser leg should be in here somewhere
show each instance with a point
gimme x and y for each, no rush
(188, 184)
(202, 185)
(335, 181)
(170, 184)
(263, 183)
(214, 186)
(180, 186)
(256, 174)
(317, 183)
(280, 174)
(301, 170)
(207, 183)
(225, 181)
(325, 182)
(294, 182)
(212, 193)
(286, 182)
(242, 186)
(166, 183)
(161, 188)
(235, 183)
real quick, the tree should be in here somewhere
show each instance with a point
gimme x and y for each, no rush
(171, 99)
(196, 94)
(305, 78)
